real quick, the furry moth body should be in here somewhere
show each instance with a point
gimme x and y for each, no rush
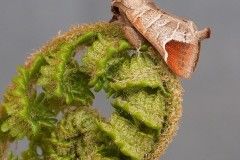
(176, 39)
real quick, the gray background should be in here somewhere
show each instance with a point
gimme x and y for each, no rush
(210, 127)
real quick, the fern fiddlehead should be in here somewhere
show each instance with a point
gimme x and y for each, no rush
(147, 99)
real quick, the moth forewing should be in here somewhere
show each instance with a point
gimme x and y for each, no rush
(176, 39)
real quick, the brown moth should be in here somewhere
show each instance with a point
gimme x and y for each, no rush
(176, 39)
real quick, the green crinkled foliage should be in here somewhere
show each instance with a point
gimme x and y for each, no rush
(146, 93)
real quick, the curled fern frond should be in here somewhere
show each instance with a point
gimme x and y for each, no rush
(27, 112)
(52, 82)
(62, 77)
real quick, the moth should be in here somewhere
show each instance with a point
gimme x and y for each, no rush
(176, 39)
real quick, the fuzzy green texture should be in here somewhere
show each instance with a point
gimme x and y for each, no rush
(127, 137)
(145, 107)
(147, 96)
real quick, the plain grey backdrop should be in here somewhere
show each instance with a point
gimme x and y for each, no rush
(210, 126)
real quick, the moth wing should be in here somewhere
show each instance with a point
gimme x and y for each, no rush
(182, 57)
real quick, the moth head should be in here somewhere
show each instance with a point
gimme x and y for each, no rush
(118, 10)
(115, 10)
(118, 16)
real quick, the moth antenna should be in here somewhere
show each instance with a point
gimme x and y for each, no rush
(203, 34)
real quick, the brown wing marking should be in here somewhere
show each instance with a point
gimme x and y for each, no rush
(182, 57)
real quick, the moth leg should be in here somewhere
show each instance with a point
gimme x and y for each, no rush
(134, 37)
(131, 34)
